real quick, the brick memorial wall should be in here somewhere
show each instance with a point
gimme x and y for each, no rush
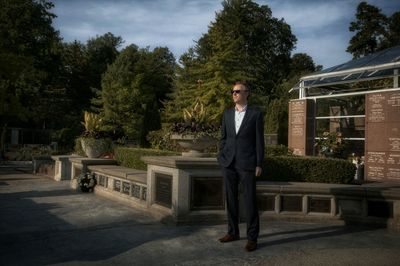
(382, 136)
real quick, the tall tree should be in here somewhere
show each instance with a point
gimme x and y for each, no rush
(370, 27)
(28, 57)
(243, 43)
(276, 120)
(393, 33)
(133, 89)
(101, 51)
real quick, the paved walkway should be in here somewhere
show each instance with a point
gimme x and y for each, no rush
(44, 222)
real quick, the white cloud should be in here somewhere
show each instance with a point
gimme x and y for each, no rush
(175, 24)
(321, 26)
(308, 16)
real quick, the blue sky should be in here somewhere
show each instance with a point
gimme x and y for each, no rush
(321, 27)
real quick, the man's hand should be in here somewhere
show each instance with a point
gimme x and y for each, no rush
(258, 171)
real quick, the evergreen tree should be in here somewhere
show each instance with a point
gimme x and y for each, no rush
(101, 52)
(393, 33)
(243, 43)
(370, 27)
(133, 89)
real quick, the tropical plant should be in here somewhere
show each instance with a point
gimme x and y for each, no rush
(93, 125)
(94, 140)
(196, 122)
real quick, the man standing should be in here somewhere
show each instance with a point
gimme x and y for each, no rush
(241, 156)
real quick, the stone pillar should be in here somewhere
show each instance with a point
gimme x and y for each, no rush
(63, 166)
(185, 189)
(301, 126)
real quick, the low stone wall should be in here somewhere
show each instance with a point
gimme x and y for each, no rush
(121, 183)
(187, 190)
(375, 204)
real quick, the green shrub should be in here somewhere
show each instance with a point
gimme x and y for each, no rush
(278, 150)
(130, 157)
(308, 169)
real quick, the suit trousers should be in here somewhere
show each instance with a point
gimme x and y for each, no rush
(232, 178)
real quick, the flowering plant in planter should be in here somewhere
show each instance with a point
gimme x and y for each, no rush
(196, 133)
(94, 140)
(196, 122)
(87, 181)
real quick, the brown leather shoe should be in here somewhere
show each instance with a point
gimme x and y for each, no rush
(228, 238)
(251, 246)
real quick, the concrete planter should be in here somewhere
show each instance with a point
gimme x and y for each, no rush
(195, 145)
(94, 148)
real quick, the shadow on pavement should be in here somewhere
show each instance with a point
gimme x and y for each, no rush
(35, 229)
(320, 232)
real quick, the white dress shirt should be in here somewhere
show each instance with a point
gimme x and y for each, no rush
(239, 115)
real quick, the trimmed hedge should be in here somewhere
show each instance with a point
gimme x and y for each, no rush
(308, 169)
(277, 150)
(130, 157)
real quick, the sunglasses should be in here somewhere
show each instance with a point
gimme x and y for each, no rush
(237, 91)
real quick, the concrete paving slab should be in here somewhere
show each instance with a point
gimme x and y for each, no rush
(43, 222)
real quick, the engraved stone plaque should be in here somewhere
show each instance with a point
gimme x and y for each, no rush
(266, 202)
(291, 203)
(126, 188)
(117, 185)
(301, 126)
(382, 142)
(163, 190)
(206, 193)
(136, 191)
(349, 207)
(102, 180)
(319, 205)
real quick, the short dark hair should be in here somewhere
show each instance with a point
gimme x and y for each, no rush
(243, 83)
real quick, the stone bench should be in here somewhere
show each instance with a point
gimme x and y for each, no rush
(121, 183)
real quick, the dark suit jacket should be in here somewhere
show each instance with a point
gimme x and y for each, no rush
(245, 148)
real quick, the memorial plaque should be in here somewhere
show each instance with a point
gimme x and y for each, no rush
(393, 106)
(126, 188)
(350, 207)
(381, 209)
(135, 191)
(301, 126)
(382, 138)
(376, 107)
(102, 180)
(322, 205)
(206, 193)
(117, 185)
(163, 190)
(291, 203)
(266, 202)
